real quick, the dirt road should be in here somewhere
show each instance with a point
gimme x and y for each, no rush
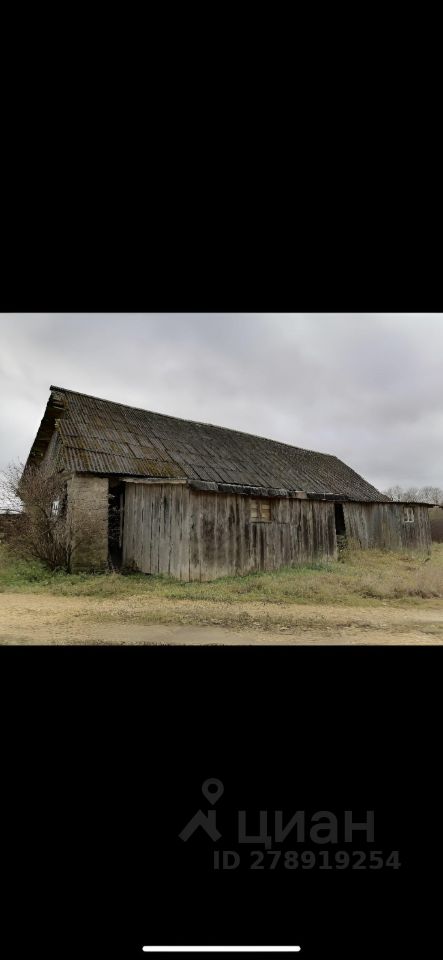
(46, 619)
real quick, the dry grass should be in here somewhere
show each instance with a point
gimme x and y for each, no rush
(361, 577)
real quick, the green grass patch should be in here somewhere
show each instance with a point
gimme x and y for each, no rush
(361, 577)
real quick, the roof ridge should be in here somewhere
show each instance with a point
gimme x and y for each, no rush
(198, 423)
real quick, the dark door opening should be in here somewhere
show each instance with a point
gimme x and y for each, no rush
(116, 521)
(340, 526)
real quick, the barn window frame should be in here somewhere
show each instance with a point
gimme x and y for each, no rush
(260, 510)
(408, 515)
(59, 504)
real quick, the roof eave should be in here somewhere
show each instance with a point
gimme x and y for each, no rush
(55, 409)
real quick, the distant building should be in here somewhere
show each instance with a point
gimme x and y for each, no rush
(436, 522)
(198, 501)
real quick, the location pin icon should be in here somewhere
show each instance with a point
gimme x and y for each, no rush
(212, 790)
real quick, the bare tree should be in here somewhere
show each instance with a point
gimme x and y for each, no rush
(431, 495)
(394, 493)
(45, 529)
(411, 493)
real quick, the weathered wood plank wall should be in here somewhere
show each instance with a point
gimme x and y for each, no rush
(382, 525)
(196, 535)
(156, 529)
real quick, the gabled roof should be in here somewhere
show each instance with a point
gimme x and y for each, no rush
(99, 436)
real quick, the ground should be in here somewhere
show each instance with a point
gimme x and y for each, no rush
(370, 597)
(43, 619)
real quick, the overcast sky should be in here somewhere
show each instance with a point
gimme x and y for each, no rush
(366, 387)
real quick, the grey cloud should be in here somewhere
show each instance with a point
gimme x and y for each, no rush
(364, 387)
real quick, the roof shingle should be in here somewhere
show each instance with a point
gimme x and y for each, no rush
(101, 436)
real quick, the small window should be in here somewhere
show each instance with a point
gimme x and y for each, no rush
(55, 509)
(261, 510)
(408, 515)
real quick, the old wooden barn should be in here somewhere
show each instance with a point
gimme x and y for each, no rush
(196, 501)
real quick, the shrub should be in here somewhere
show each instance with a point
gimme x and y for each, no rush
(44, 529)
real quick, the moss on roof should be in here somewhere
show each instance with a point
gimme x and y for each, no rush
(100, 436)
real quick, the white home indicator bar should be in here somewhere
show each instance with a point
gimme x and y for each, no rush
(221, 949)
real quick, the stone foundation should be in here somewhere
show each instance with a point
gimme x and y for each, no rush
(88, 517)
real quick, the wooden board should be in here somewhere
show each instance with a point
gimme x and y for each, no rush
(198, 535)
(382, 526)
